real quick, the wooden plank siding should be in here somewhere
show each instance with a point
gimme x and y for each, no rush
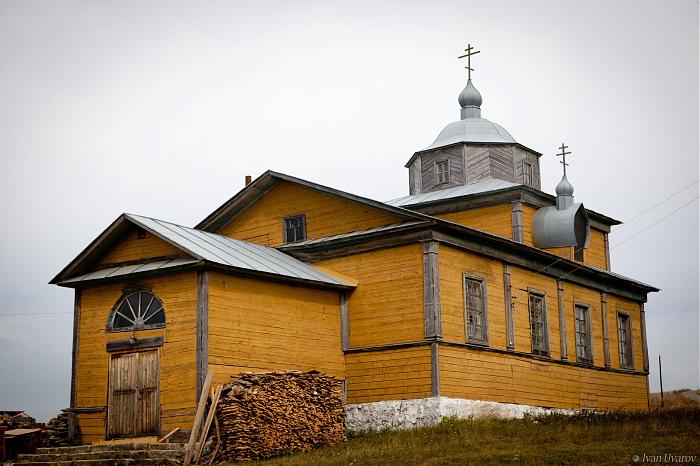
(469, 372)
(481, 375)
(387, 305)
(453, 265)
(326, 215)
(133, 248)
(395, 374)
(261, 326)
(494, 219)
(177, 367)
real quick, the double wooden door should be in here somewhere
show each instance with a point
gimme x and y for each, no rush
(133, 406)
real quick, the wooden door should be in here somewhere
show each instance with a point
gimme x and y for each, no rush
(133, 407)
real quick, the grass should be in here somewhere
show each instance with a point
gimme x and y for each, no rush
(587, 438)
(673, 399)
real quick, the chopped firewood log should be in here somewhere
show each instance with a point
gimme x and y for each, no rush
(277, 413)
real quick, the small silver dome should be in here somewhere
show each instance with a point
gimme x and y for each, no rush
(470, 96)
(472, 130)
(564, 188)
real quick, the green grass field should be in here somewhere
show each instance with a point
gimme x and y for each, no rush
(609, 438)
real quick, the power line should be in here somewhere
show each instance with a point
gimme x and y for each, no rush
(638, 233)
(657, 205)
(656, 222)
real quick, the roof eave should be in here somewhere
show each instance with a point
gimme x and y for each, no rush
(427, 149)
(248, 195)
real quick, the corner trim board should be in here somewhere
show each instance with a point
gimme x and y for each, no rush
(606, 334)
(344, 322)
(76, 345)
(202, 329)
(562, 320)
(432, 310)
(517, 222)
(435, 368)
(508, 298)
(645, 348)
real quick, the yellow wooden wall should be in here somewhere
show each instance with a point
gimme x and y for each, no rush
(594, 254)
(482, 375)
(395, 374)
(177, 355)
(615, 304)
(326, 215)
(453, 263)
(497, 219)
(131, 248)
(261, 326)
(387, 305)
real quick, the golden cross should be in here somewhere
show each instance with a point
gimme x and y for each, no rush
(563, 155)
(469, 59)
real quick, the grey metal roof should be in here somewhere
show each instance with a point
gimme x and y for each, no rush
(129, 269)
(352, 234)
(232, 252)
(485, 185)
(478, 130)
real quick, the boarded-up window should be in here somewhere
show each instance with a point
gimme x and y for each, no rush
(624, 335)
(584, 353)
(294, 229)
(475, 310)
(538, 323)
(527, 173)
(442, 171)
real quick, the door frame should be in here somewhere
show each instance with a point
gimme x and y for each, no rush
(113, 354)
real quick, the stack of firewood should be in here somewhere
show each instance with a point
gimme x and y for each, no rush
(271, 414)
(57, 430)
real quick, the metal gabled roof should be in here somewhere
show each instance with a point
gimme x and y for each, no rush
(483, 186)
(130, 269)
(206, 247)
(370, 231)
(249, 194)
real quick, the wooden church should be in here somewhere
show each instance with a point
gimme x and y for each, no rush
(476, 293)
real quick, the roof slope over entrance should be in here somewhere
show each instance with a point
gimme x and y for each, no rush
(205, 247)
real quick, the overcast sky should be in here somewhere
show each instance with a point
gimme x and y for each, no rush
(161, 108)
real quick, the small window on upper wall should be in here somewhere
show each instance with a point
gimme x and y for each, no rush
(442, 172)
(475, 312)
(538, 322)
(584, 344)
(527, 173)
(624, 336)
(294, 229)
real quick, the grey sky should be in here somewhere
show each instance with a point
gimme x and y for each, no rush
(161, 107)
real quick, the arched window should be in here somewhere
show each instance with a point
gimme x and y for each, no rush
(137, 310)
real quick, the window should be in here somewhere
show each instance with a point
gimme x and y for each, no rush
(578, 253)
(584, 353)
(538, 322)
(137, 310)
(527, 173)
(475, 310)
(294, 229)
(442, 171)
(624, 336)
